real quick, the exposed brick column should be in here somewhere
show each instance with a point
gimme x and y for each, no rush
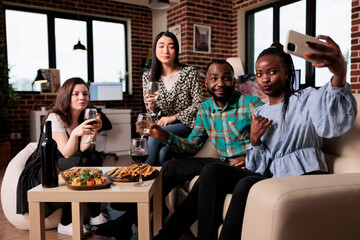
(355, 46)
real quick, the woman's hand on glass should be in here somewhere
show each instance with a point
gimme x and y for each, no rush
(153, 90)
(151, 102)
(98, 124)
(83, 129)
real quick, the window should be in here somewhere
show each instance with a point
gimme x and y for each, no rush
(109, 65)
(27, 47)
(328, 16)
(293, 17)
(70, 63)
(312, 17)
(46, 39)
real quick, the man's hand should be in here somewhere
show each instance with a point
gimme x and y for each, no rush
(259, 125)
(238, 162)
(155, 130)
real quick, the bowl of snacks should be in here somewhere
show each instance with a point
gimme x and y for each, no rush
(86, 179)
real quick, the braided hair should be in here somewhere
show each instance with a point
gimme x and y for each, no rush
(277, 49)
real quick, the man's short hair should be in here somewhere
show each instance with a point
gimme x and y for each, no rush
(219, 61)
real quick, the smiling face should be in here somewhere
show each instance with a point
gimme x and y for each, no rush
(165, 50)
(271, 77)
(79, 97)
(220, 83)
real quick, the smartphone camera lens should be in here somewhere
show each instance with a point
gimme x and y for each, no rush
(291, 47)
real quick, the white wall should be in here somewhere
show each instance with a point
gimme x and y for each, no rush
(159, 21)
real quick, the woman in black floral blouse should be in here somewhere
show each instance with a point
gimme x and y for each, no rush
(179, 98)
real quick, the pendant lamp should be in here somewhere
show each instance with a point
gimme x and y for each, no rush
(79, 47)
(159, 4)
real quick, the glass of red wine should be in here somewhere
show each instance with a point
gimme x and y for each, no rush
(90, 113)
(139, 152)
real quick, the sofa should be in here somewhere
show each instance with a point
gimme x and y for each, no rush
(302, 207)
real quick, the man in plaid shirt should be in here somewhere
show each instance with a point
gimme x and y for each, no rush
(225, 119)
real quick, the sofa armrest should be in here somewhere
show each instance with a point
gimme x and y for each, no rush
(304, 207)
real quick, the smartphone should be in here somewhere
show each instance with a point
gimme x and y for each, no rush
(296, 44)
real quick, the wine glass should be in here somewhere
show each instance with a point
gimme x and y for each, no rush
(142, 126)
(139, 152)
(153, 92)
(90, 113)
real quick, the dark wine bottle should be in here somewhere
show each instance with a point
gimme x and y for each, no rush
(49, 159)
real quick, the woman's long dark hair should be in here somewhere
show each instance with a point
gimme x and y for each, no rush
(277, 49)
(63, 101)
(156, 64)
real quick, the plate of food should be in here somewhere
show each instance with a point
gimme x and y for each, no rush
(131, 174)
(85, 179)
(78, 171)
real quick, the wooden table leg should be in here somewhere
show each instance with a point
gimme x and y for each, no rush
(144, 220)
(157, 207)
(77, 220)
(37, 220)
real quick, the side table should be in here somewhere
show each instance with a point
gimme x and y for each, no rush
(118, 192)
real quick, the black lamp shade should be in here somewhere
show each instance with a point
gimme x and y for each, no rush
(40, 78)
(159, 4)
(79, 47)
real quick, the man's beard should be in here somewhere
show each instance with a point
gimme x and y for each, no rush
(224, 99)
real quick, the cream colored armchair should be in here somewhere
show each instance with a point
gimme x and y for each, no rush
(318, 207)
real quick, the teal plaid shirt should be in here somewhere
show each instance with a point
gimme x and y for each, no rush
(227, 128)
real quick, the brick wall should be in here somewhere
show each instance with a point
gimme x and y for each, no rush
(141, 29)
(355, 46)
(216, 14)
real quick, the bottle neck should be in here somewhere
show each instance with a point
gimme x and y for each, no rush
(48, 130)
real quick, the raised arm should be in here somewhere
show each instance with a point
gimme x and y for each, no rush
(330, 56)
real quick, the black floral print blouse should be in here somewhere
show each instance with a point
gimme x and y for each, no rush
(182, 100)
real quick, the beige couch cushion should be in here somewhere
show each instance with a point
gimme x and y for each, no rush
(304, 207)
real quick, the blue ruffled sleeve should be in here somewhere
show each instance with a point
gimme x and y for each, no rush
(332, 110)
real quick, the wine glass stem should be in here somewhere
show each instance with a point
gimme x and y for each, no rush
(140, 176)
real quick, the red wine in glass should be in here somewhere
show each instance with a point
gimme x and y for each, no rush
(139, 157)
(139, 152)
(90, 113)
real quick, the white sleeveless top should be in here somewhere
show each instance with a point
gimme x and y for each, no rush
(169, 81)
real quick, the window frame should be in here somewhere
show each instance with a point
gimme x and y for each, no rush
(310, 26)
(51, 15)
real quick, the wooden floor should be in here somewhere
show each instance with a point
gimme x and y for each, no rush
(9, 232)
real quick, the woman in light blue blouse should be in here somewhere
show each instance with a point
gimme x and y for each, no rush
(286, 138)
(286, 133)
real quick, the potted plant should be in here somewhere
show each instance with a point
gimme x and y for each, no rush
(8, 99)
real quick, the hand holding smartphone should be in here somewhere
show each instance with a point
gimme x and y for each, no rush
(296, 44)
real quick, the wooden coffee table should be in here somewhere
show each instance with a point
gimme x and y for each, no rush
(118, 192)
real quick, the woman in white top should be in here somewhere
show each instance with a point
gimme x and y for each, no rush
(180, 94)
(71, 134)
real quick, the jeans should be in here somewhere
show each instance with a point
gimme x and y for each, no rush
(206, 200)
(175, 172)
(158, 152)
